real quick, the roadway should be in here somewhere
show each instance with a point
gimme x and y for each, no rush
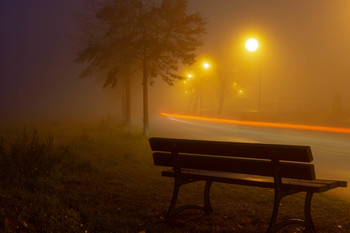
(331, 151)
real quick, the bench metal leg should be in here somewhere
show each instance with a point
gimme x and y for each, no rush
(276, 205)
(207, 206)
(309, 225)
(307, 222)
(171, 210)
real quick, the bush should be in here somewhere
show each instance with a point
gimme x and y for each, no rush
(28, 159)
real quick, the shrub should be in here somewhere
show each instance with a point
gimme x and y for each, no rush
(28, 159)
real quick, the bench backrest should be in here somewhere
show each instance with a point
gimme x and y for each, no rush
(287, 161)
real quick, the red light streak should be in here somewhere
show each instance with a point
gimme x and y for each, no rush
(261, 124)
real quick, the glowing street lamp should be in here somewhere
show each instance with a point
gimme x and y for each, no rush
(206, 65)
(187, 81)
(252, 45)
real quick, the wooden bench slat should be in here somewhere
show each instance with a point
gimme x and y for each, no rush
(342, 183)
(311, 186)
(223, 177)
(259, 181)
(236, 149)
(237, 165)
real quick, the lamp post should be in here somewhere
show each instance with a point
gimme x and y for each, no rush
(206, 67)
(252, 45)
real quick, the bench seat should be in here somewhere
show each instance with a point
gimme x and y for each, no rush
(317, 186)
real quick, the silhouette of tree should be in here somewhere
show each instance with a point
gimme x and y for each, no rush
(152, 36)
(105, 57)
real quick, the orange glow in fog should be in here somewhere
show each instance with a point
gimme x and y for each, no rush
(261, 124)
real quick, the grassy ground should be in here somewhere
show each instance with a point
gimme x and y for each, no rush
(88, 178)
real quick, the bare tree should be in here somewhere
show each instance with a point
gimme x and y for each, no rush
(153, 36)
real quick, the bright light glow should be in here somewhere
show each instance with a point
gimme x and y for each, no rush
(261, 124)
(189, 76)
(206, 65)
(252, 45)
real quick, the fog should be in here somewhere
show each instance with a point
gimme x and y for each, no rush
(304, 76)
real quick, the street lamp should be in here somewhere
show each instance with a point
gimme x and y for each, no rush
(252, 45)
(206, 65)
(187, 80)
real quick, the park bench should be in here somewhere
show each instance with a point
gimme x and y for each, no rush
(285, 168)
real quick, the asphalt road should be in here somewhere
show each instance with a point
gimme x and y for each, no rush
(331, 151)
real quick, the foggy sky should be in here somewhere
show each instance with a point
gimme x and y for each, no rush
(305, 53)
(39, 78)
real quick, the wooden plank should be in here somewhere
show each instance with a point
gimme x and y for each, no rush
(224, 177)
(236, 165)
(250, 180)
(236, 149)
(330, 183)
(342, 183)
(297, 170)
(307, 185)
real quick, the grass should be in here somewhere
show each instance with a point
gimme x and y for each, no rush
(100, 179)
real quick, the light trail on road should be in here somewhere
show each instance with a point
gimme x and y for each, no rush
(260, 124)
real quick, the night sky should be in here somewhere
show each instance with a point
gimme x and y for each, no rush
(39, 78)
(305, 53)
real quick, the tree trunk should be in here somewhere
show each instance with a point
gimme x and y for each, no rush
(221, 102)
(145, 100)
(222, 93)
(127, 102)
(123, 104)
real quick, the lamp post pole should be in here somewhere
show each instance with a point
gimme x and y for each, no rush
(259, 82)
(252, 45)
